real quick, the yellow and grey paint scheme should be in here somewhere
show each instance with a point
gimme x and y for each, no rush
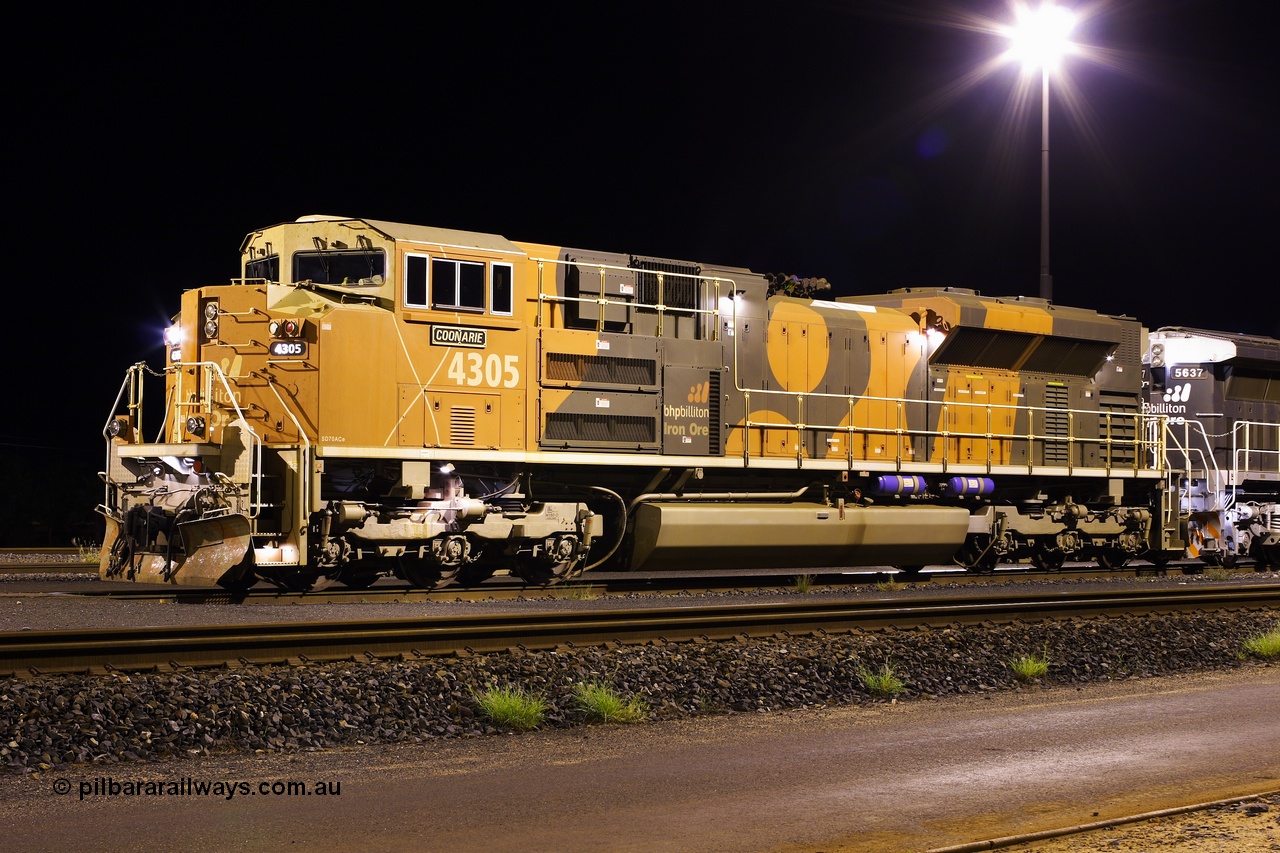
(371, 397)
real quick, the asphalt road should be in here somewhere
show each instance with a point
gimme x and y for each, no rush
(885, 778)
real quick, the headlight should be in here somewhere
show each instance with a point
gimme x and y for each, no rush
(173, 336)
(210, 327)
(195, 425)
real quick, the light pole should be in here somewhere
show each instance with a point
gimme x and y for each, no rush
(1040, 38)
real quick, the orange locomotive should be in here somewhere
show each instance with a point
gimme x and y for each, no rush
(374, 398)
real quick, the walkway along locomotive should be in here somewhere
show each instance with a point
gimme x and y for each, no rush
(375, 398)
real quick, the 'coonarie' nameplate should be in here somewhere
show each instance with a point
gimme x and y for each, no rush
(457, 336)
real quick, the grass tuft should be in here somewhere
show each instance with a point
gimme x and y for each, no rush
(578, 592)
(804, 583)
(87, 551)
(889, 586)
(600, 703)
(511, 707)
(1218, 574)
(882, 682)
(1264, 646)
(1028, 668)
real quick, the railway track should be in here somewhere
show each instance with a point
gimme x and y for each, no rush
(500, 588)
(30, 560)
(36, 652)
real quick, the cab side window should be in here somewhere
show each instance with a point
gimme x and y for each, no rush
(500, 299)
(456, 285)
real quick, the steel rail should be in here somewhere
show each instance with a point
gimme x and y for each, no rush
(37, 652)
(60, 567)
(607, 583)
(43, 550)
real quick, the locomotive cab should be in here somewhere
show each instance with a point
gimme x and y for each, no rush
(419, 338)
(1219, 396)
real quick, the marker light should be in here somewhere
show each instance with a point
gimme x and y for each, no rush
(287, 328)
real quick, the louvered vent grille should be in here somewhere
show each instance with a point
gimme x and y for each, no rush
(713, 420)
(600, 369)
(677, 291)
(1129, 352)
(462, 426)
(618, 429)
(1057, 423)
(1124, 428)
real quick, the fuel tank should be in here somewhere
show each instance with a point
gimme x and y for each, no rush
(681, 536)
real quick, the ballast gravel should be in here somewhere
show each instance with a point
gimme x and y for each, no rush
(55, 721)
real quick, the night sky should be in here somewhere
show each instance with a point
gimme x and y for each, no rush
(877, 145)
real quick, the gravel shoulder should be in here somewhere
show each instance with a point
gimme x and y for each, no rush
(364, 714)
(874, 777)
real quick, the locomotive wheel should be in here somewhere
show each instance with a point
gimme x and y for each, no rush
(1111, 559)
(977, 556)
(424, 574)
(1211, 558)
(1229, 560)
(1159, 561)
(358, 581)
(534, 571)
(298, 582)
(473, 575)
(556, 562)
(244, 583)
(1259, 554)
(1047, 557)
(361, 574)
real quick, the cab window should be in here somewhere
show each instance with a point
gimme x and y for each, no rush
(353, 269)
(456, 285)
(500, 299)
(267, 268)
